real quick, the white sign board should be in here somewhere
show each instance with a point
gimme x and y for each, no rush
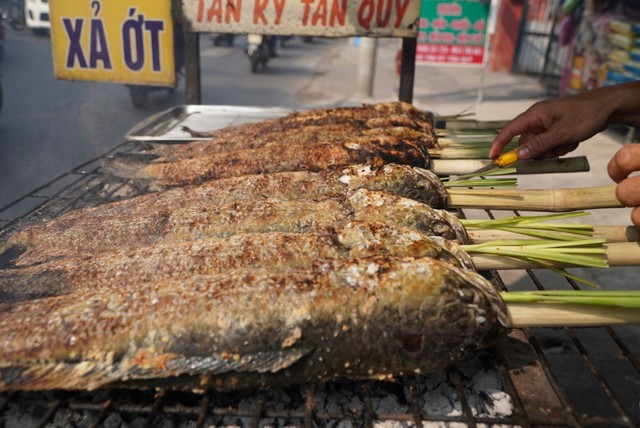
(329, 18)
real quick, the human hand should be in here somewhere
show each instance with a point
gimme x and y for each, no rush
(622, 164)
(555, 127)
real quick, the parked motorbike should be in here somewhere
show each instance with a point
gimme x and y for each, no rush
(17, 17)
(259, 50)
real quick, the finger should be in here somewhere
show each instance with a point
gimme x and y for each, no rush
(553, 152)
(522, 123)
(624, 162)
(628, 192)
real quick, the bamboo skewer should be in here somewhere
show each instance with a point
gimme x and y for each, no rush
(572, 308)
(617, 255)
(446, 167)
(611, 234)
(553, 200)
(568, 315)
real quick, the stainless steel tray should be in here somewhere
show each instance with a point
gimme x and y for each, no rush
(166, 126)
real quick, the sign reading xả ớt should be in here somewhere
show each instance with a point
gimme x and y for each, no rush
(453, 32)
(113, 41)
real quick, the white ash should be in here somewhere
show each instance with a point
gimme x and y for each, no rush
(435, 394)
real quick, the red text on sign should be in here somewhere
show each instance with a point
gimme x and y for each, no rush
(229, 10)
(321, 13)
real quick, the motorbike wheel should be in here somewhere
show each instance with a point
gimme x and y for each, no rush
(16, 18)
(139, 96)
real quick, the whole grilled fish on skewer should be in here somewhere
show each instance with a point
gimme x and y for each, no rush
(178, 261)
(334, 133)
(372, 115)
(91, 233)
(368, 318)
(273, 157)
(400, 180)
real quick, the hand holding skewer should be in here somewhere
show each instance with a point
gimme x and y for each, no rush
(557, 126)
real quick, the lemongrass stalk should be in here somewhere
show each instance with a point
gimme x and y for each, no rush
(547, 233)
(530, 218)
(493, 172)
(570, 308)
(536, 256)
(564, 252)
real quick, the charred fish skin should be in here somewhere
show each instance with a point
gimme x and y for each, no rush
(353, 116)
(96, 235)
(401, 180)
(274, 158)
(179, 261)
(361, 319)
(399, 211)
(334, 133)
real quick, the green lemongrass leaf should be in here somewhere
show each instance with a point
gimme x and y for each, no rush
(532, 226)
(583, 243)
(546, 250)
(564, 273)
(497, 171)
(553, 234)
(623, 299)
(528, 219)
(574, 260)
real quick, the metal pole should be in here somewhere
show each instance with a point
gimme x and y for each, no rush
(366, 66)
(192, 67)
(407, 69)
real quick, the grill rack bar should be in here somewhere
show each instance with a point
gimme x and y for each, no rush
(88, 185)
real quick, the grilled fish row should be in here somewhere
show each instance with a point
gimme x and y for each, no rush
(273, 157)
(179, 261)
(363, 319)
(89, 233)
(366, 116)
(332, 134)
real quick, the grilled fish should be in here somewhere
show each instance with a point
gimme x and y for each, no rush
(179, 261)
(273, 157)
(366, 116)
(93, 231)
(368, 318)
(332, 134)
(401, 180)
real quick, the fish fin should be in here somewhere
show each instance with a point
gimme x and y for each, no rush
(259, 362)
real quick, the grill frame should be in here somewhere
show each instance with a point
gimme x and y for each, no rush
(523, 360)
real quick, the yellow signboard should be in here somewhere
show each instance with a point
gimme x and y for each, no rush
(113, 41)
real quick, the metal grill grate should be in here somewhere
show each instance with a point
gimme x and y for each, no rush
(550, 377)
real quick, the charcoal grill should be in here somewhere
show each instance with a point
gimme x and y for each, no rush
(552, 377)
